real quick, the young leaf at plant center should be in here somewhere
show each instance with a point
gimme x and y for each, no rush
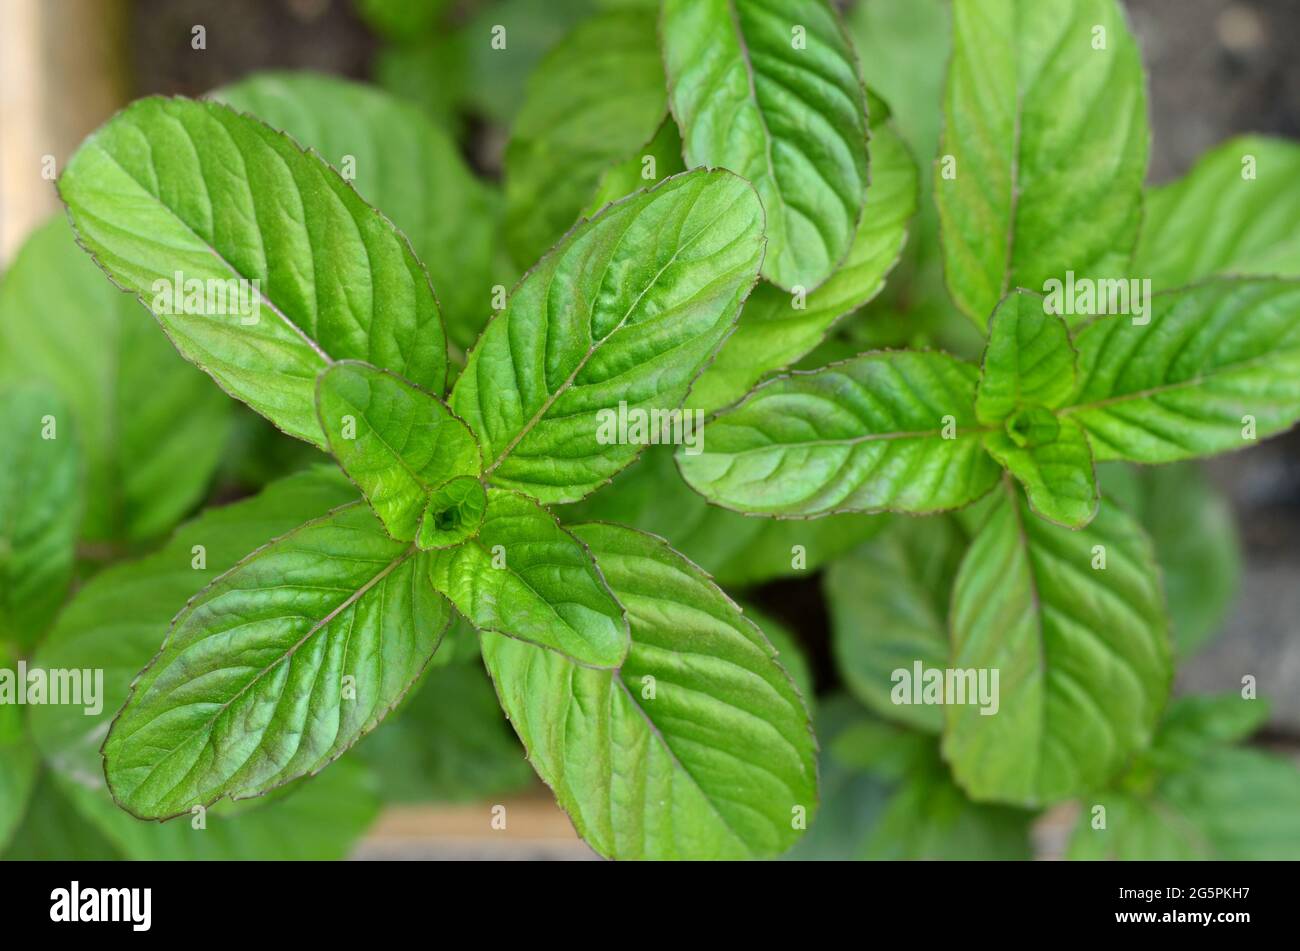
(776, 328)
(596, 99)
(1072, 624)
(737, 551)
(893, 430)
(18, 760)
(119, 618)
(40, 509)
(404, 166)
(454, 513)
(1029, 370)
(1028, 360)
(397, 442)
(698, 746)
(752, 86)
(1191, 525)
(525, 576)
(1050, 458)
(1195, 796)
(151, 428)
(888, 603)
(625, 310)
(1233, 213)
(1216, 367)
(927, 816)
(174, 197)
(1044, 147)
(277, 667)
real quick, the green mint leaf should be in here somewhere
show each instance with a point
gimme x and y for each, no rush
(697, 747)
(660, 158)
(893, 430)
(735, 550)
(118, 619)
(151, 428)
(40, 509)
(18, 762)
(277, 667)
(625, 310)
(776, 328)
(172, 195)
(525, 576)
(115, 623)
(1215, 367)
(596, 99)
(394, 440)
(772, 91)
(1081, 653)
(401, 164)
(1050, 457)
(454, 512)
(888, 603)
(1044, 147)
(1233, 213)
(1028, 361)
(1191, 524)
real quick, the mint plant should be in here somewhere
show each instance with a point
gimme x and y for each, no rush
(704, 200)
(1038, 187)
(286, 660)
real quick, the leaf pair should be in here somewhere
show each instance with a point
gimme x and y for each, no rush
(1209, 371)
(1212, 371)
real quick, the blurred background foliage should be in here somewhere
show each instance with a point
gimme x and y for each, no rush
(483, 160)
